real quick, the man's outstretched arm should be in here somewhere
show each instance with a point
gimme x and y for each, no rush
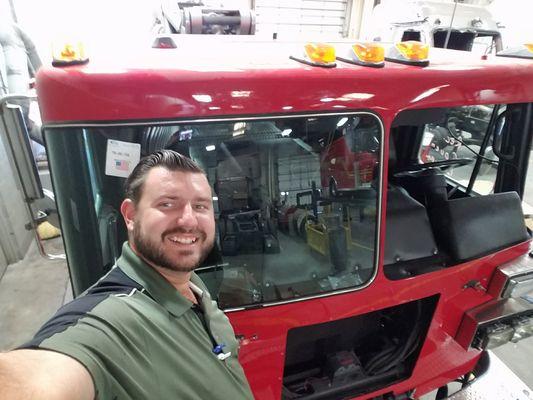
(42, 374)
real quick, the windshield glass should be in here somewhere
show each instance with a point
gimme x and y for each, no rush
(296, 200)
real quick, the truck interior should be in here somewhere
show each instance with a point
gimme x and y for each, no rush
(446, 203)
(298, 210)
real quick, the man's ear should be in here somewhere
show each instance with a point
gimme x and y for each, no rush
(127, 209)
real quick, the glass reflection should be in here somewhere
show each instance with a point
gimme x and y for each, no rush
(296, 200)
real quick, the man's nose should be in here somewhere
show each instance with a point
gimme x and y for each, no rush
(187, 217)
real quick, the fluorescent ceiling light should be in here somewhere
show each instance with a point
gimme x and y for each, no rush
(202, 98)
(342, 121)
(240, 93)
(286, 132)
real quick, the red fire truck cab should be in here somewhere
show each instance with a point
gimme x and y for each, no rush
(370, 237)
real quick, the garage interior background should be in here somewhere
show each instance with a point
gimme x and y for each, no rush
(132, 23)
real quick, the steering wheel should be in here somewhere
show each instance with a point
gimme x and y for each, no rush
(418, 169)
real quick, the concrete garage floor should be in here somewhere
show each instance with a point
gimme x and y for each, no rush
(34, 288)
(30, 293)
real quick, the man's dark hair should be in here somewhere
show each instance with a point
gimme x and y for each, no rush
(168, 159)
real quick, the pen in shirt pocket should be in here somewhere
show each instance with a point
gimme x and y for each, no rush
(219, 352)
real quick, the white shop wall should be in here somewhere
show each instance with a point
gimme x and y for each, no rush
(289, 19)
(295, 175)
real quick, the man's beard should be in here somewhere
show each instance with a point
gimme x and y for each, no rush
(154, 253)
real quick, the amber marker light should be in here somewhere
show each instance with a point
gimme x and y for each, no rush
(69, 54)
(369, 52)
(529, 46)
(410, 52)
(164, 42)
(318, 54)
(413, 50)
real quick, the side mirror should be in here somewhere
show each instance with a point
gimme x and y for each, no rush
(13, 128)
(20, 148)
(500, 128)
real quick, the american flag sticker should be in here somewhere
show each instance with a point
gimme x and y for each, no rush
(122, 165)
(121, 158)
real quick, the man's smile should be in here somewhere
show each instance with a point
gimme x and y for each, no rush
(183, 239)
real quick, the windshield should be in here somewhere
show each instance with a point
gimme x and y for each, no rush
(296, 200)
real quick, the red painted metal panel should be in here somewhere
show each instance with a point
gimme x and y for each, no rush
(441, 360)
(168, 84)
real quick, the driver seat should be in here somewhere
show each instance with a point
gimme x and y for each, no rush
(429, 188)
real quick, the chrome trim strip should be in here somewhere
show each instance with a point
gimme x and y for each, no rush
(519, 286)
(487, 313)
(510, 276)
(519, 267)
(202, 120)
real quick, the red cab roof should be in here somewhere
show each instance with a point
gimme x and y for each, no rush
(211, 76)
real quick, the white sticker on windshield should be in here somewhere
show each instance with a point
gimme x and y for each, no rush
(428, 136)
(121, 158)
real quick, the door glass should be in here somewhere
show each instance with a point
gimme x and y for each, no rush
(460, 135)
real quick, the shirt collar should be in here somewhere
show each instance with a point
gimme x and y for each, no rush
(155, 284)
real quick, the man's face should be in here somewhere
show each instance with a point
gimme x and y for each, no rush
(173, 224)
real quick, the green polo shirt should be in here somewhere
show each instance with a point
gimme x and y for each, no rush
(141, 339)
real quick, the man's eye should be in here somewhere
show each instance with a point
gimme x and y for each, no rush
(201, 207)
(165, 205)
